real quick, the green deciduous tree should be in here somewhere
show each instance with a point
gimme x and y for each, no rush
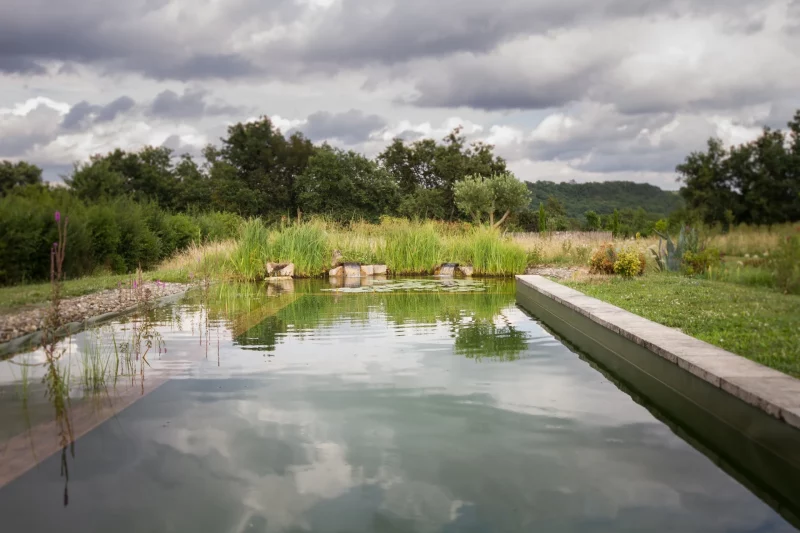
(756, 182)
(96, 180)
(426, 164)
(423, 203)
(592, 220)
(542, 218)
(501, 193)
(345, 185)
(257, 161)
(17, 175)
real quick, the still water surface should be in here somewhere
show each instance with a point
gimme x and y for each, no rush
(405, 406)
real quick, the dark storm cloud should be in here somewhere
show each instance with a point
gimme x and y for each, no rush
(191, 104)
(164, 40)
(110, 111)
(79, 116)
(20, 65)
(178, 147)
(83, 114)
(489, 86)
(351, 127)
(19, 134)
(388, 32)
(18, 145)
(605, 141)
(185, 40)
(202, 66)
(782, 112)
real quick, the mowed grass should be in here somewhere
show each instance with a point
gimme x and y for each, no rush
(757, 323)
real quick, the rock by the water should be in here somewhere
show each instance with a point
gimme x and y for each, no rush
(466, 270)
(280, 269)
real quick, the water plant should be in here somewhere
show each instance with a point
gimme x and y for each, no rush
(94, 363)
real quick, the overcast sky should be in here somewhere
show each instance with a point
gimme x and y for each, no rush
(588, 90)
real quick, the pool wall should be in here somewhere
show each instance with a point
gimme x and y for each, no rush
(742, 415)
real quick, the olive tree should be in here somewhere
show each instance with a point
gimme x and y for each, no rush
(480, 196)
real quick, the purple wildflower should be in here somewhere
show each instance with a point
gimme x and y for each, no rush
(55, 245)
(134, 284)
(58, 216)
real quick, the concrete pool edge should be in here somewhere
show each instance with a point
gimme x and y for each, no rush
(768, 390)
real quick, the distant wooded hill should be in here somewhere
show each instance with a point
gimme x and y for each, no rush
(604, 197)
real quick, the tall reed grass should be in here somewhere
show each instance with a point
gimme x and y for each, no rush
(406, 247)
(305, 245)
(750, 240)
(411, 248)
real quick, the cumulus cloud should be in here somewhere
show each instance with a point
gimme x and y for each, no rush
(83, 114)
(579, 88)
(25, 126)
(191, 104)
(349, 127)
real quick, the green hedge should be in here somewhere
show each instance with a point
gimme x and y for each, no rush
(115, 235)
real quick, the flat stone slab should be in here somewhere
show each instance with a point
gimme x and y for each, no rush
(769, 390)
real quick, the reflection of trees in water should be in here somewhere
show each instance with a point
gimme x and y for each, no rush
(484, 338)
(115, 357)
(472, 317)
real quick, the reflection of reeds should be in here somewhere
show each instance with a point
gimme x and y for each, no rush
(94, 363)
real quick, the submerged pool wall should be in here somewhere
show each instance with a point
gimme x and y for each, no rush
(743, 416)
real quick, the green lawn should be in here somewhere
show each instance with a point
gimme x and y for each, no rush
(758, 323)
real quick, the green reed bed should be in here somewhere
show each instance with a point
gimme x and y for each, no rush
(406, 248)
(489, 252)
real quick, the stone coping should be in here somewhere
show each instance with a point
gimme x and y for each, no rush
(774, 392)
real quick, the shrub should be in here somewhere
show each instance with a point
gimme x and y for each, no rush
(185, 229)
(628, 263)
(699, 262)
(105, 234)
(603, 259)
(218, 226)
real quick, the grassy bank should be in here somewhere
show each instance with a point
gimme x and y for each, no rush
(757, 323)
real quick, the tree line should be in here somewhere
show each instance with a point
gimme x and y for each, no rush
(753, 183)
(259, 171)
(256, 170)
